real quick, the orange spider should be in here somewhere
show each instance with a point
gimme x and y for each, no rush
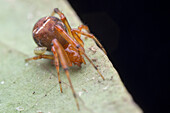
(56, 35)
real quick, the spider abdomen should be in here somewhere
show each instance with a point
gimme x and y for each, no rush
(44, 32)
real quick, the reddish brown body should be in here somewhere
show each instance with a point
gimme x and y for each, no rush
(56, 35)
(44, 32)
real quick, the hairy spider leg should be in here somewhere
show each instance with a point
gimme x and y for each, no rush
(64, 63)
(56, 61)
(75, 45)
(90, 36)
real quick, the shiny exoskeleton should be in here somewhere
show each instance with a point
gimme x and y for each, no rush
(44, 32)
(56, 35)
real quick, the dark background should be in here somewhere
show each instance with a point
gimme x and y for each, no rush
(130, 32)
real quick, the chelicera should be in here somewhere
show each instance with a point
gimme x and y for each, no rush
(56, 35)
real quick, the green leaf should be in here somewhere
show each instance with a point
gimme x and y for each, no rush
(33, 87)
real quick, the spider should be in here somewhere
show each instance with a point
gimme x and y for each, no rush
(53, 34)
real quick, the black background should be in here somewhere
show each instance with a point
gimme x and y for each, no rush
(130, 32)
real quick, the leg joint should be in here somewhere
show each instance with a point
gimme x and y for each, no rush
(65, 69)
(74, 95)
(78, 45)
(56, 10)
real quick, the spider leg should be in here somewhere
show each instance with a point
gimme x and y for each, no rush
(90, 36)
(63, 19)
(75, 45)
(77, 37)
(80, 42)
(56, 61)
(64, 63)
(72, 35)
(70, 40)
(51, 57)
(94, 66)
(83, 27)
(40, 52)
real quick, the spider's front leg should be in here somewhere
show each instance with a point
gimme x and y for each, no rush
(56, 61)
(63, 19)
(76, 33)
(83, 27)
(60, 53)
(79, 32)
(76, 46)
(40, 52)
